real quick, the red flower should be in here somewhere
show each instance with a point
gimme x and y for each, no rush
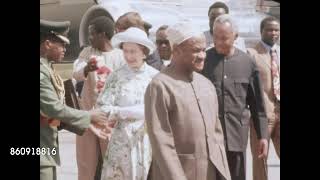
(100, 85)
(93, 61)
(103, 70)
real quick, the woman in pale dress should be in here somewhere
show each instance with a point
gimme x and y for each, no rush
(128, 155)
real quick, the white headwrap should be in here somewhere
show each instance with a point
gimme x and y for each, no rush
(181, 32)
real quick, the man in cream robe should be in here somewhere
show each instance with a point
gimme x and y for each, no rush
(181, 111)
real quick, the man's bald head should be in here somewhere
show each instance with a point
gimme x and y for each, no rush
(225, 32)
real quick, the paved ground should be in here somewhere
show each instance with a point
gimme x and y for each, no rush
(68, 169)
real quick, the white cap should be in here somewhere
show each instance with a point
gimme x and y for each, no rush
(181, 31)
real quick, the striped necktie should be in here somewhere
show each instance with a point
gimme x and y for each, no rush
(275, 73)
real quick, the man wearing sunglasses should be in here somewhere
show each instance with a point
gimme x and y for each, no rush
(162, 56)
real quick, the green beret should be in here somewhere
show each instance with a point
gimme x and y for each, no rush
(60, 29)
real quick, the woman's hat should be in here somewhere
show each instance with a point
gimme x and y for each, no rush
(134, 35)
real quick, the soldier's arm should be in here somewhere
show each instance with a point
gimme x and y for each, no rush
(51, 106)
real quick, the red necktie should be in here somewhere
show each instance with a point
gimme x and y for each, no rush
(275, 73)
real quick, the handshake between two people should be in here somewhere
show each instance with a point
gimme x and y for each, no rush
(100, 125)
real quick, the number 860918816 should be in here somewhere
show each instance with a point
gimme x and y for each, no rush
(33, 151)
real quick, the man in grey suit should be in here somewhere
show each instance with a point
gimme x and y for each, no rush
(236, 79)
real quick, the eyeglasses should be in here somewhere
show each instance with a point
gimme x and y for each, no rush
(160, 42)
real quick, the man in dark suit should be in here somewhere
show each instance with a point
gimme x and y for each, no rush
(236, 79)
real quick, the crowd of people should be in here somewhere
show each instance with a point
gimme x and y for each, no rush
(179, 108)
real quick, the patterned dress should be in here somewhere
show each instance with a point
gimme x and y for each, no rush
(128, 156)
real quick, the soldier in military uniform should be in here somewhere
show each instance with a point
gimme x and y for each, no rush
(54, 114)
